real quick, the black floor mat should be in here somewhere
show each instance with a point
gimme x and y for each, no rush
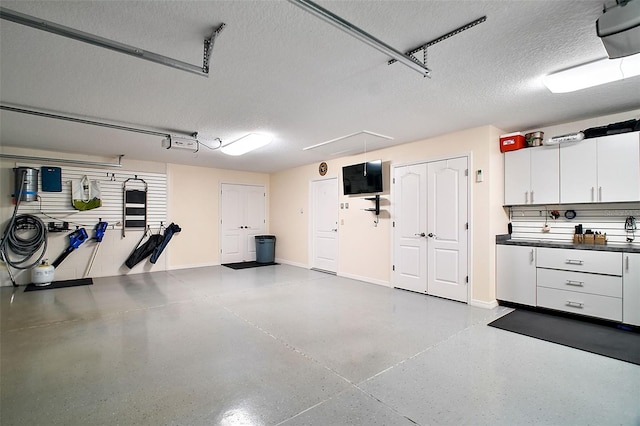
(61, 284)
(246, 265)
(601, 339)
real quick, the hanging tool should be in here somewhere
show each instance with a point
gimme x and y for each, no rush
(76, 238)
(98, 235)
(134, 205)
(630, 227)
(168, 233)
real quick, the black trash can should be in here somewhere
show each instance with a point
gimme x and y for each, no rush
(265, 248)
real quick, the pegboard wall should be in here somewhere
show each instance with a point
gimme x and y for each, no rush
(609, 218)
(57, 206)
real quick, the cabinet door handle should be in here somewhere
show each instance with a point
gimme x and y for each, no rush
(574, 262)
(600, 194)
(526, 197)
(592, 193)
(531, 197)
(532, 259)
(575, 304)
(575, 283)
(627, 263)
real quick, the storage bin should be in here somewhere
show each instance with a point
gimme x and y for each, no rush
(512, 141)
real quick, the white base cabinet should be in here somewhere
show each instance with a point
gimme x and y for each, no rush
(516, 274)
(631, 288)
(600, 284)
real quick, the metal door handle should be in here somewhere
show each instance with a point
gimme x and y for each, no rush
(422, 234)
(573, 262)
(526, 197)
(431, 235)
(592, 192)
(575, 283)
(531, 197)
(575, 304)
(600, 194)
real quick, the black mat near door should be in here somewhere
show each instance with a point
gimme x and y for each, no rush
(60, 284)
(246, 265)
(601, 339)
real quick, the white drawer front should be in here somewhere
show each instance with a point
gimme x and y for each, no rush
(581, 303)
(604, 285)
(599, 262)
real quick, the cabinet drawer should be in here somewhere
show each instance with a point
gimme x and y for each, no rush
(599, 262)
(604, 285)
(580, 303)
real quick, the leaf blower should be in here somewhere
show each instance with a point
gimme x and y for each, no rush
(76, 238)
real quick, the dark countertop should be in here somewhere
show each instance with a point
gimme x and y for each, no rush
(618, 247)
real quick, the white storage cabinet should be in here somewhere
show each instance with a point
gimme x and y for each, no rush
(516, 274)
(605, 169)
(580, 281)
(631, 288)
(532, 176)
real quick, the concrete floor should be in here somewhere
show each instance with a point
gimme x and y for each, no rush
(281, 345)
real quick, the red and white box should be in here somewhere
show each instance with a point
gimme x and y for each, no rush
(512, 141)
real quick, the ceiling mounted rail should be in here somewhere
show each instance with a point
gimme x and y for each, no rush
(62, 160)
(192, 137)
(424, 47)
(352, 30)
(52, 27)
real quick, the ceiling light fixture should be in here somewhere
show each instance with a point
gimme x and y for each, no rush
(327, 16)
(246, 144)
(593, 74)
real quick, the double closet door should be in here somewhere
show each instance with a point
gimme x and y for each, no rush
(243, 216)
(430, 228)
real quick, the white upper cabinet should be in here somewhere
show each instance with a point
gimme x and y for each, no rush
(605, 169)
(532, 176)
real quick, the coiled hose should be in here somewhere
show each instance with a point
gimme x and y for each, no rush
(24, 244)
(21, 243)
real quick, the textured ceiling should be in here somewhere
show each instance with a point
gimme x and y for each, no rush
(279, 70)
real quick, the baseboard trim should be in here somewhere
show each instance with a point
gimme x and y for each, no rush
(193, 265)
(287, 262)
(365, 279)
(483, 304)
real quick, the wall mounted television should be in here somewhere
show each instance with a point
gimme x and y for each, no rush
(363, 178)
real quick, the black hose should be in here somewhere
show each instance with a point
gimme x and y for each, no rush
(25, 246)
(20, 245)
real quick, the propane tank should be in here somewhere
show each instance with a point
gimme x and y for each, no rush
(42, 275)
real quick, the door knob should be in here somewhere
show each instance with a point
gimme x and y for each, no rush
(431, 235)
(422, 234)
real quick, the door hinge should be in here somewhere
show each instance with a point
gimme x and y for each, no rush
(466, 172)
(394, 180)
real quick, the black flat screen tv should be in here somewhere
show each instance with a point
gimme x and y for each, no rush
(363, 178)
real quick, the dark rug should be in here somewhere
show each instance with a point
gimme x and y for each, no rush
(601, 339)
(61, 284)
(246, 265)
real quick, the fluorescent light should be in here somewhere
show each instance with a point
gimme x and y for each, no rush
(329, 17)
(593, 74)
(246, 143)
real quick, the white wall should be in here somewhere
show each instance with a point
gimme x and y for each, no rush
(364, 249)
(192, 203)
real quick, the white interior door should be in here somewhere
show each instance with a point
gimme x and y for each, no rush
(243, 216)
(324, 217)
(410, 227)
(447, 229)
